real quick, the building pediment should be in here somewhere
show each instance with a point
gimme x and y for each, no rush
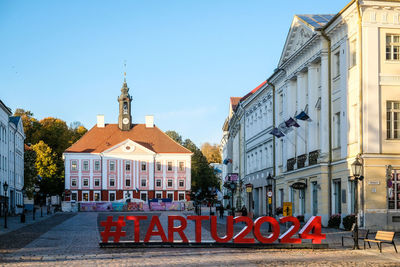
(302, 29)
(129, 147)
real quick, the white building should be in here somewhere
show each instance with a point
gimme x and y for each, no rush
(343, 71)
(11, 159)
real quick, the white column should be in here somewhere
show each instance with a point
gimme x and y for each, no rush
(104, 174)
(312, 111)
(151, 173)
(324, 126)
(301, 94)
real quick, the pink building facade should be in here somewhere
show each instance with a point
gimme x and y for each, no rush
(114, 161)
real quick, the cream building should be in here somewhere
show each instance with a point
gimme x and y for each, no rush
(342, 70)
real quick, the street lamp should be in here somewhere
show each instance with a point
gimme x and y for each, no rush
(270, 183)
(356, 168)
(5, 187)
(232, 186)
(41, 203)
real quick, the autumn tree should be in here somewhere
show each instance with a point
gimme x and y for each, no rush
(202, 174)
(30, 172)
(211, 152)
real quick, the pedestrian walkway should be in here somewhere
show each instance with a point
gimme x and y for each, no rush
(14, 222)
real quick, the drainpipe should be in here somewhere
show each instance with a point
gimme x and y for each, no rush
(360, 100)
(326, 37)
(273, 147)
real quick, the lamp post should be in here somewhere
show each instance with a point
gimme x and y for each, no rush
(356, 168)
(5, 187)
(37, 188)
(41, 203)
(232, 186)
(23, 206)
(270, 183)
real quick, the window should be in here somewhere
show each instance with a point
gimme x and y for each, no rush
(73, 182)
(97, 196)
(127, 182)
(127, 166)
(392, 47)
(158, 182)
(112, 182)
(281, 198)
(170, 196)
(112, 166)
(337, 64)
(181, 196)
(85, 196)
(181, 183)
(169, 184)
(74, 165)
(143, 196)
(97, 165)
(394, 191)
(169, 164)
(181, 166)
(158, 195)
(353, 53)
(74, 196)
(336, 133)
(112, 196)
(143, 164)
(158, 166)
(392, 119)
(143, 182)
(96, 182)
(85, 182)
(85, 165)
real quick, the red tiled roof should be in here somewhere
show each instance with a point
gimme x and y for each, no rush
(253, 91)
(235, 102)
(97, 140)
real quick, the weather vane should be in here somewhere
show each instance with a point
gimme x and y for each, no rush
(125, 70)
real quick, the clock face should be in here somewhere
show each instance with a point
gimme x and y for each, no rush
(125, 121)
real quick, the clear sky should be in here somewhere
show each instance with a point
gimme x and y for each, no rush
(184, 58)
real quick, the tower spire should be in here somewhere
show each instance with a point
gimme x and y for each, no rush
(125, 71)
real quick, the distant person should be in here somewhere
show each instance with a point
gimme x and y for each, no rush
(244, 211)
(221, 211)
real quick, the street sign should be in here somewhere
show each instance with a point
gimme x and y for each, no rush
(269, 194)
(287, 209)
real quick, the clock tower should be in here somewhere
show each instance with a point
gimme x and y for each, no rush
(124, 118)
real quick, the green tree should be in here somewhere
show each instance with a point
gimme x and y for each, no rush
(30, 173)
(46, 167)
(211, 152)
(175, 136)
(31, 126)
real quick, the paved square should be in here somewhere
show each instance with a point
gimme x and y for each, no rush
(72, 239)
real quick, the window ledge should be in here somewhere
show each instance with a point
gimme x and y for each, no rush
(392, 61)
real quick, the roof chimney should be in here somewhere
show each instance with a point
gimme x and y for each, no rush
(149, 121)
(100, 121)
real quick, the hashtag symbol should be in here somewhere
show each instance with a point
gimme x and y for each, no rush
(107, 233)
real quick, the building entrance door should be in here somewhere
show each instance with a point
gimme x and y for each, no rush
(302, 199)
(315, 198)
(337, 196)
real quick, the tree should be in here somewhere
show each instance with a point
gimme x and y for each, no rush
(46, 167)
(174, 136)
(30, 173)
(211, 152)
(77, 130)
(31, 126)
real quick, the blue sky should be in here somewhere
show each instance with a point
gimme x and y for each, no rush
(184, 58)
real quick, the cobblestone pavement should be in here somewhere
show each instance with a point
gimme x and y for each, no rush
(74, 241)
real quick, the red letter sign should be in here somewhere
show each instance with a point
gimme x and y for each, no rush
(155, 222)
(136, 225)
(179, 229)
(314, 224)
(275, 229)
(229, 229)
(240, 237)
(198, 220)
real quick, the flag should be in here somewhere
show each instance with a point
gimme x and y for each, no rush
(226, 161)
(137, 189)
(291, 122)
(303, 116)
(276, 132)
(284, 128)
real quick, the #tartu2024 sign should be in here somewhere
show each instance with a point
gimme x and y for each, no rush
(311, 230)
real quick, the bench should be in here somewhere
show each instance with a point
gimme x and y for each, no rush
(382, 237)
(362, 234)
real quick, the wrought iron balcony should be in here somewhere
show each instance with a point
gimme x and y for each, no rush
(301, 160)
(313, 157)
(290, 164)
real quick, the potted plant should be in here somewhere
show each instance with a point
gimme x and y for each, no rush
(348, 221)
(334, 221)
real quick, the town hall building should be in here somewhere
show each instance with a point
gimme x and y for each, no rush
(126, 160)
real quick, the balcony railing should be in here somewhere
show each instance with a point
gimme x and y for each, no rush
(290, 164)
(313, 157)
(301, 160)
